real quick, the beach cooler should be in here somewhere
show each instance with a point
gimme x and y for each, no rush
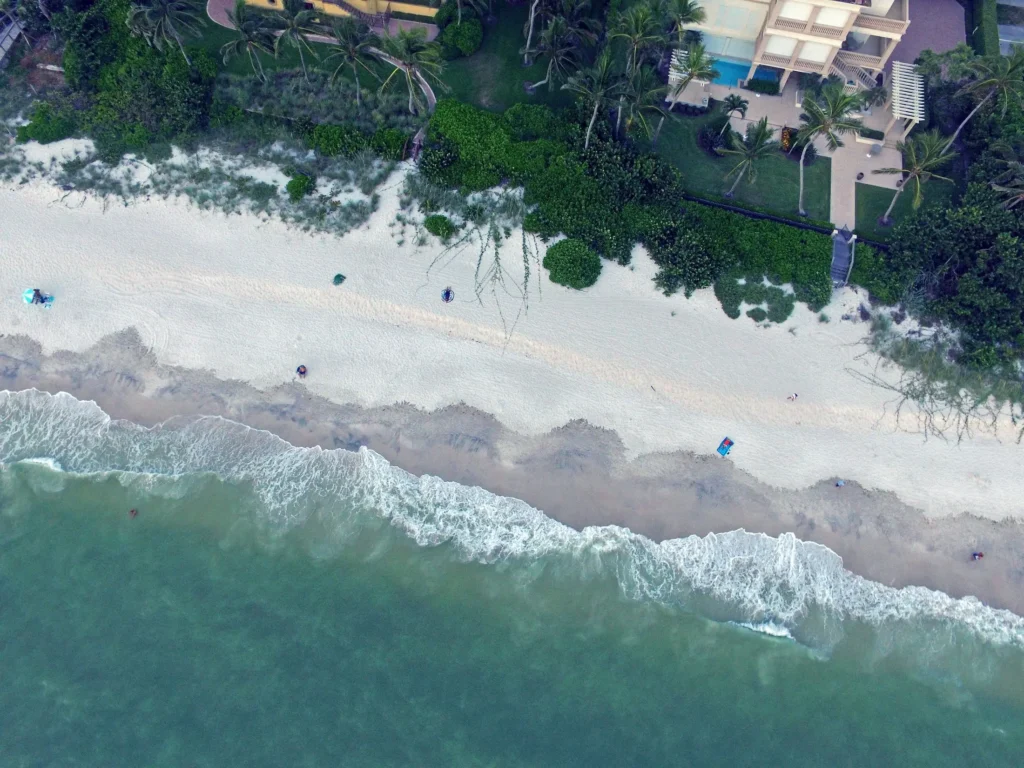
(725, 446)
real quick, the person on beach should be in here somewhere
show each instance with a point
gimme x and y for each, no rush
(37, 296)
(977, 555)
(301, 370)
(840, 483)
(793, 397)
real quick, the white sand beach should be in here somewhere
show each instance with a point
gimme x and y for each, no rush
(250, 299)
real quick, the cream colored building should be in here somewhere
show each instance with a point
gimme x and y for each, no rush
(849, 38)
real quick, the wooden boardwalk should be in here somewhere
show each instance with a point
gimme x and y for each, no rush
(842, 256)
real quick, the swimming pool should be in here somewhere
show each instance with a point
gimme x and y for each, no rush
(731, 72)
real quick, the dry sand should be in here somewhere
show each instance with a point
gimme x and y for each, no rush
(599, 406)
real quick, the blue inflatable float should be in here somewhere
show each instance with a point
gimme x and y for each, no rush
(725, 446)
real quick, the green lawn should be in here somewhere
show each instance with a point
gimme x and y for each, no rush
(493, 77)
(778, 178)
(872, 202)
(214, 36)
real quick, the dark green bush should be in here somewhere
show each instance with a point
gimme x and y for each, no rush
(757, 314)
(572, 263)
(300, 186)
(710, 138)
(448, 13)
(332, 140)
(769, 87)
(463, 39)
(440, 225)
(527, 122)
(389, 143)
(870, 272)
(870, 133)
(46, 124)
(983, 25)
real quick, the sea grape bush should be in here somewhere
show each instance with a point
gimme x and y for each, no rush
(611, 197)
(299, 186)
(572, 263)
(440, 226)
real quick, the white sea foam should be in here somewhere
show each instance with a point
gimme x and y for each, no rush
(766, 628)
(758, 578)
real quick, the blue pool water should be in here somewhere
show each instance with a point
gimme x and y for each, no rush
(731, 72)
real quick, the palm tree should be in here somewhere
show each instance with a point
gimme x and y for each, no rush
(645, 96)
(995, 76)
(296, 24)
(561, 47)
(733, 104)
(253, 36)
(167, 22)
(694, 64)
(640, 27)
(410, 53)
(477, 5)
(827, 117)
(755, 146)
(921, 157)
(354, 43)
(596, 85)
(683, 13)
(542, 12)
(1010, 182)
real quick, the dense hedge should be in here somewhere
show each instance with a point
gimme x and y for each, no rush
(611, 197)
(572, 263)
(299, 186)
(983, 26)
(47, 123)
(463, 39)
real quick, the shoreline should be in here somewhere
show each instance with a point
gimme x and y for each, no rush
(578, 474)
(600, 407)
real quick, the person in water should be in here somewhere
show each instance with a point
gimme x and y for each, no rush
(977, 555)
(133, 513)
(301, 370)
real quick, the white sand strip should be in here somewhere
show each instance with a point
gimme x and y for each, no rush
(251, 300)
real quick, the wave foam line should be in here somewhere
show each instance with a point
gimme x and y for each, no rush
(778, 579)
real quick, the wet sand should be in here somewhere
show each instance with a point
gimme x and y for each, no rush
(578, 474)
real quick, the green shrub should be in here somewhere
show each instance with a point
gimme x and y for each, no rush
(338, 279)
(869, 133)
(47, 124)
(572, 263)
(769, 87)
(389, 143)
(463, 39)
(757, 314)
(870, 271)
(300, 186)
(449, 12)
(439, 225)
(528, 122)
(332, 140)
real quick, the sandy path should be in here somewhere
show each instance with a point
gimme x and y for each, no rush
(251, 300)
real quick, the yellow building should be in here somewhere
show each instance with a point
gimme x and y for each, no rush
(377, 8)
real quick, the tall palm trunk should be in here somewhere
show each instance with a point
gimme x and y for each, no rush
(529, 35)
(355, 72)
(657, 132)
(547, 77)
(678, 94)
(458, 4)
(969, 116)
(180, 46)
(256, 64)
(886, 219)
(803, 154)
(618, 117)
(593, 118)
(732, 189)
(302, 58)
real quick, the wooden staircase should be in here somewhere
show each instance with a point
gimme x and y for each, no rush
(372, 19)
(10, 29)
(842, 256)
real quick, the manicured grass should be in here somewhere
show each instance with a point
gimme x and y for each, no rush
(872, 202)
(493, 77)
(778, 178)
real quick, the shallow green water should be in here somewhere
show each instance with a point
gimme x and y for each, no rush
(190, 636)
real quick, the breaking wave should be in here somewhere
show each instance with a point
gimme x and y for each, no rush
(799, 588)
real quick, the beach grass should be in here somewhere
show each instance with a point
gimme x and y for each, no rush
(873, 201)
(776, 188)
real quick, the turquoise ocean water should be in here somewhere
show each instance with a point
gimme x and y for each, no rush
(275, 606)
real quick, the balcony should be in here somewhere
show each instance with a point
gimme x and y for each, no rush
(893, 24)
(789, 25)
